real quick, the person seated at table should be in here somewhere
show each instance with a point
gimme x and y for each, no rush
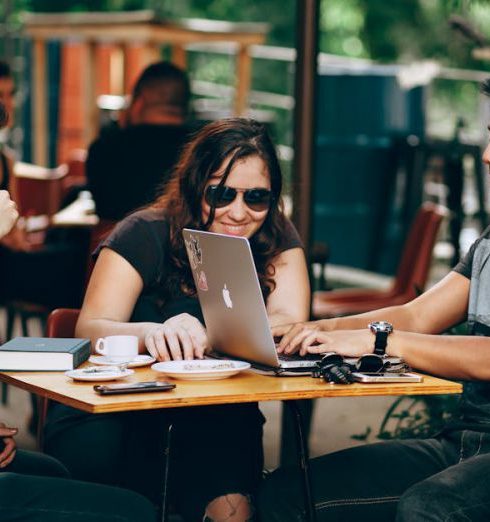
(126, 166)
(52, 273)
(36, 487)
(440, 478)
(228, 180)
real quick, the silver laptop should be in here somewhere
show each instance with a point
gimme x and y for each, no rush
(232, 303)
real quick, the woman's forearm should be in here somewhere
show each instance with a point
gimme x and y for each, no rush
(95, 328)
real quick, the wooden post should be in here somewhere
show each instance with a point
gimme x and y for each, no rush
(90, 124)
(118, 69)
(304, 116)
(151, 54)
(179, 56)
(243, 80)
(39, 110)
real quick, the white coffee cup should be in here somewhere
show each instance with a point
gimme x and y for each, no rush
(119, 348)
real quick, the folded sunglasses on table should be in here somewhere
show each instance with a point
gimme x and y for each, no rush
(334, 368)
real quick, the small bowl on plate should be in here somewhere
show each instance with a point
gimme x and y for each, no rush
(97, 373)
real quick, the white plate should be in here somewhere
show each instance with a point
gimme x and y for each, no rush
(139, 360)
(201, 369)
(106, 375)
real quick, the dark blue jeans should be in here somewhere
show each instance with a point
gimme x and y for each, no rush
(35, 488)
(435, 480)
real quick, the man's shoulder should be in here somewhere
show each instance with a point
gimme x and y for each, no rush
(141, 136)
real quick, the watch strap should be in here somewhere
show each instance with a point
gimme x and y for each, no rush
(381, 340)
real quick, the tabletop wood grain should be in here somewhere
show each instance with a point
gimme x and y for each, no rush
(244, 387)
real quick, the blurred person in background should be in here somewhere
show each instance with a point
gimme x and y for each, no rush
(51, 274)
(126, 166)
(35, 487)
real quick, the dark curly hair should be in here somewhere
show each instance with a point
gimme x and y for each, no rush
(181, 201)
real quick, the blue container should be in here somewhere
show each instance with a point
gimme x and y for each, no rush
(361, 115)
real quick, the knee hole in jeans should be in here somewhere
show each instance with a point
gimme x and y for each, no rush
(233, 507)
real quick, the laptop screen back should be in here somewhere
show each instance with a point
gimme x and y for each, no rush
(230, 296)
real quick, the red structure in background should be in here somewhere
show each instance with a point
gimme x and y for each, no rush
(109, 79)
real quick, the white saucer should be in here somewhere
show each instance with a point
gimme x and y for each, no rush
(139, 360)
(106, 375)
(201, 369)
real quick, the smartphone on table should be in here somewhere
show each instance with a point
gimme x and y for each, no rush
(386, 377)
(134, 387)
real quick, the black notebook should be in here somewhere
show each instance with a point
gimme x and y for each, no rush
(43, 353)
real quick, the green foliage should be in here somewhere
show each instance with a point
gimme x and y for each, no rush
(414, 417)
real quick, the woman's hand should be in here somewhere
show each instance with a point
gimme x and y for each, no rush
(180, 337)
(8, 453)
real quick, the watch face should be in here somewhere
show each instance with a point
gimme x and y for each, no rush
(381, 326)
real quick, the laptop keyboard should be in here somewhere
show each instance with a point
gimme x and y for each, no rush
(297, 357)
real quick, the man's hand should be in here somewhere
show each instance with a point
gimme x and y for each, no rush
(8, 453)
(180, 337)
(292, 335)
(350, 343)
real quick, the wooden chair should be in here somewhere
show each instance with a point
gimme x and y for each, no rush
(61, 323)
(38, 189)
(410, 279)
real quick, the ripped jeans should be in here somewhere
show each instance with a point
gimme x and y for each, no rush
(443, 479)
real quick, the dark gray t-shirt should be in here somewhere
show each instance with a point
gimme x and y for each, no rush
(143, 240)
(475, 405)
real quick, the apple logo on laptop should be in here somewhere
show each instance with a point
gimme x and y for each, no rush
(227, 297)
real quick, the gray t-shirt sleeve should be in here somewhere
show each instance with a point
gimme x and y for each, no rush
(464, 267)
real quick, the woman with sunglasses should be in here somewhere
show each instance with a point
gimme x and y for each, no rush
(228, 180)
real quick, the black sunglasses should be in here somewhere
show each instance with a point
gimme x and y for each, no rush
(368, 363)
(219, 196)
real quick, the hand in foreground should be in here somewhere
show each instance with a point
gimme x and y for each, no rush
(8, 452)
(8, 213)
(351, 343)
(293, 334)
(180, 337)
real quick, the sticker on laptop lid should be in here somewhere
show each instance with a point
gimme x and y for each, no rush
(194, 251)
(202, 282)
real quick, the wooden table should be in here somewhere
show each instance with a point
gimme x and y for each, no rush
(124, 28)
(245, 387)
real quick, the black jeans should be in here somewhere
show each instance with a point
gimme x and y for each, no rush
(436, 480)
(35, 488)
(216, 450)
